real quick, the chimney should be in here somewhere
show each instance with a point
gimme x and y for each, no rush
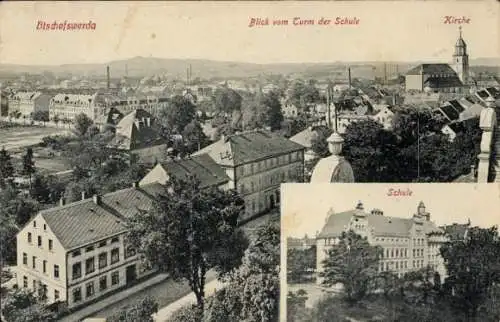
(96, 199)
(135, 184)
(61, 201)
(148, 122)
(107, 77)
(83, 195)
(349, 71)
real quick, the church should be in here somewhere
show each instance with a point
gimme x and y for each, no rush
(446, 78)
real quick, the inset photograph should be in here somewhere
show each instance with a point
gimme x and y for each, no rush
(385, 252)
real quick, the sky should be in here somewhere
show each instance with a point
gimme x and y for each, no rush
(305, 206)
(387, 31)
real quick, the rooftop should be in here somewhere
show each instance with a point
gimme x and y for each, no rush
(203, 167)
(381, 225)
(247, 147)
(86, 221)
(431, 69)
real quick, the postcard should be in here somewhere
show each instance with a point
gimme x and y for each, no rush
(146, 152)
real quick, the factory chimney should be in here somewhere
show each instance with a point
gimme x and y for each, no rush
(349, 71)
(107, 77)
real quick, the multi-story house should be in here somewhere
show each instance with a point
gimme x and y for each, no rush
(77, 252)
(407, 243)
(68, 106)
(257, 162)
(27, 103)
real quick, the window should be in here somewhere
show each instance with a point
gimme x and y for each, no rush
(33, 261)
(77, 294)
(25, 259)
(50, 244)
(129, 251)
(77, 270)
(414, 253)
(34, 286)
(89, 249)
(29, 238)
(115, 240)
(34, 223)
(76, 253)
(115, 278)
(115, 255)
(103, 243)
(56, 271)
(397, 252)
(25, 281)
(392, 253)
(45, 266)
(44, 227)
(90, 289)
(103, 283)
(103, 260)
(56, 295)
(89, 266)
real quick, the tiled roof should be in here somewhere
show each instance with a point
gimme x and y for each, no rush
(443, 82)
(83, 222)
(203, 167)
(380, 225)
(431, 69)
(449, 112)
(247, 147)
(133, 132)
(305, 137)
(456, 232)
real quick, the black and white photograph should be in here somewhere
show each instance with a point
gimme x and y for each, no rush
(144, 145)
(384, 252)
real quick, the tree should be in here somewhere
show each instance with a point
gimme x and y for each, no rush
(82, 124)
(179, 112)
(6, 168)
(141, 311)
(8, 232)
(190, 231)
(354, 264)
(193, 136)
(274, 115)
(24, 306)
(318, 143)
(296, 310)
(28, 164)
(371, 150)
(473, 268)
(300, 264)
(252, 291)
(190, 313)
(302, 94)
(226, 100)
(42, 116)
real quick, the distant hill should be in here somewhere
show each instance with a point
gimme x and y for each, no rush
(143, 66)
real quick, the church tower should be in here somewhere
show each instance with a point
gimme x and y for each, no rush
(461, 59)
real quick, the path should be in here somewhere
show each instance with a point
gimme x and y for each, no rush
(166, 312)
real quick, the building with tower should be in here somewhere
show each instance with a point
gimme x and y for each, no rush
(441, 77)
(461, 59)
(408, 243)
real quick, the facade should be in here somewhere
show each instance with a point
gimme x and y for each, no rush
(257, 162)
(98, 105)
(407, 243)
(27, 103)
(77, 252)
(68, 106)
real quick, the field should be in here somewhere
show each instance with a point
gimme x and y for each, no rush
(14, 138)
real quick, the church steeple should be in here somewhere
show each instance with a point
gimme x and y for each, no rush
(461, 59)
